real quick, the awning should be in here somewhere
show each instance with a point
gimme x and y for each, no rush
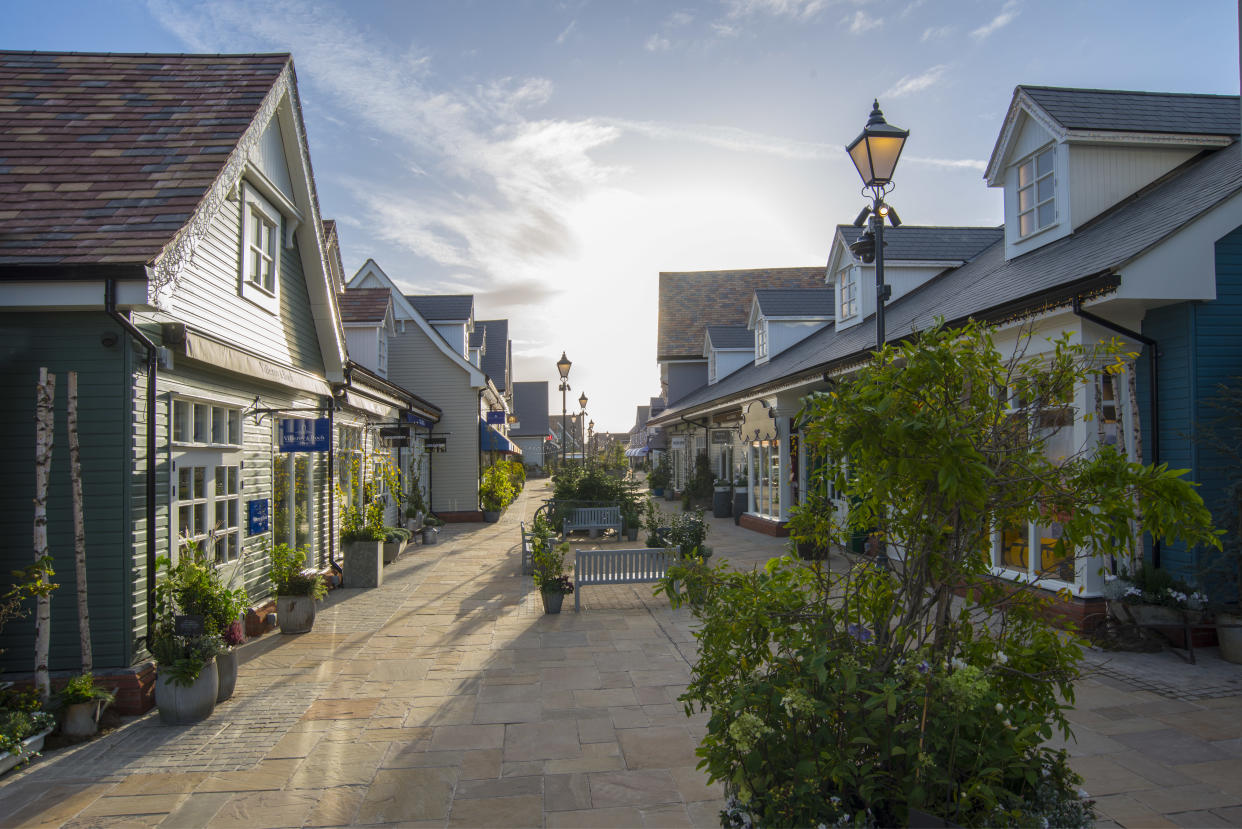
(492, 441)
(636, 452)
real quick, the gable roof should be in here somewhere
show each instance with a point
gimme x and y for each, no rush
(495, 357)
(691, 300)
(923, 243)
(364, 305)
(443, 307)
(104, 157)
(807, 302)
(991, 287)
(730, 336)
(1125, 111)
(530, 405)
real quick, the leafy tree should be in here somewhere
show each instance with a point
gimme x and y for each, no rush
(852, 698)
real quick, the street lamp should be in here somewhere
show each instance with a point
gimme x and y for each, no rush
(562, 365)
(591, 435)
(582, 401)
(874, 153)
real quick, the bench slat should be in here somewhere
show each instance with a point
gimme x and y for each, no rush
(632, 566)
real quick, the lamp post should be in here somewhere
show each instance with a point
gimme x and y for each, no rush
(582, 401)
(591, 435)
(562, 366)
(874, 153)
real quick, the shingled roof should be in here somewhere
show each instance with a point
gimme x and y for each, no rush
(1124, 111)
(104, 157)
(790, 302)
(691, 300)
(495, 357)
(731, 336)
(915, 243)
(443, 307)
(364, 304)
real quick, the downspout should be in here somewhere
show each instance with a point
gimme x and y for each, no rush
(332, 482)
(1153, 358)
(152, 366)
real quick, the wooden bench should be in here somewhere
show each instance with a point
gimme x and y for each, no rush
(648, 564)
(592, 519)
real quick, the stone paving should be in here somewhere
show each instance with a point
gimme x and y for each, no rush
(447, 698)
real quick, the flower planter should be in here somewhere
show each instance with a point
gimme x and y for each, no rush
(80, 719)
(30, 746)
(1230, 637)
(491, 516)
(631, 533)
(552, 602)
(392, 550)
(295, 614)
(226, 670)
(364, 563)
(182, 705)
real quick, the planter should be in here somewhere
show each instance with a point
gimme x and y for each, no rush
(491, 516)
(80, 719)
(741, 500)
(429, 536)
(393, 549)
(722, 503)
(552, 602)
(1230, 637)
(181, 705)
(657, 491)
(669, 494)
(226, 669)
(1170, 622)
(30, 746)
(295, 614)
(631, 533)
(364, 564)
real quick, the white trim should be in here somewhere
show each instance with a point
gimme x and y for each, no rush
(252, 203)
(74, 295)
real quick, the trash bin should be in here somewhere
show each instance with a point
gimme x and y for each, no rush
(741, 499)
(722, 503)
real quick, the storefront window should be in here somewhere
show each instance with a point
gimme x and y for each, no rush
(765, 464)
(293, 488)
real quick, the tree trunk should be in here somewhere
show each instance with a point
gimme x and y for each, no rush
(79, 525)
(45, 393)
(1132, 393)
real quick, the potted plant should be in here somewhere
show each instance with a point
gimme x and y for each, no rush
(362, 543)
(741, 498)
(23, 726)
(548, 565)
(296, 590)
(1151, 597)
(83, 702)
(431, 527)
(495, 492)
(186, 680)
(395, 541)
(660, 476)
(632, 516)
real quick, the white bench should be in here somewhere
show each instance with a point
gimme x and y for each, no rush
(592, 519)
(619, 567)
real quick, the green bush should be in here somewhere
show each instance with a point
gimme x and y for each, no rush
(496, 490)
(548, 566)
(287, 574)
(83, 689)
(662, 475)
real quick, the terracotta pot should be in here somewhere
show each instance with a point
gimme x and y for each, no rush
(182, 705)
(226, 668)
(295, 614)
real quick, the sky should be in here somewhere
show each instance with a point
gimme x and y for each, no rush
(552, 158)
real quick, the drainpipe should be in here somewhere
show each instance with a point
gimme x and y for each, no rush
(332, 484)
(152, 366)
(1153, 357)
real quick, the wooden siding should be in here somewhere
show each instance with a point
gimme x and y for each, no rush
(208, 299)
(269, 157)
(64, 342)
(1100, 177)
(417, 364)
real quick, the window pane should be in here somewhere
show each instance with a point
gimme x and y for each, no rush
(232, 480)
(1026, 223)
(200, 485)
(280, 500)
(185, 518)
(302, 492)
(270, 239)
(200, 423)
(1014, 547)
(184, 490)
(181, 421)
(234, 426)
(256, 223)
(219, 425)
(1054, 564)
(1026, 198)
(234, 509)
(1047, 214)
(200, 518)
(222, 480)
(1025, 174)
(222, 515)
(1045, 189)
(1044, 163)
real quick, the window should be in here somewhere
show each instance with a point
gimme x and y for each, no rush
(765, 471)
(207, 503)
(382, 346)
(261, 224)
(761, 338)
(201, 423)
(711, 365)
(1036, 198)
(848, 280)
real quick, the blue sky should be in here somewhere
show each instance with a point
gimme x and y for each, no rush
(553, 157)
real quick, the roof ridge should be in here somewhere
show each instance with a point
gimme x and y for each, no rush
(1128, 91)
(149, 54)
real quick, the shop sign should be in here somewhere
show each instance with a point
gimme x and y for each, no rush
(495, 418)
(189, 625)
(305, 435)
(678, 442)
(395, 433)
(722, 438)
(759, 423)
(433, 444)
(257, 513)
(418, 420)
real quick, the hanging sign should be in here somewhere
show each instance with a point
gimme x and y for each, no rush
(391, 433)
(434, 444)
(722, 438)
(418, 420)
(495, 418)
(678, 442)
(759, 423)
(189, 625)
(257, 512)
(304, 435)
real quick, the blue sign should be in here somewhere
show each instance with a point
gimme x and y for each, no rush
(418, 420)
(302, 435)
(495, 418)
(258, 516)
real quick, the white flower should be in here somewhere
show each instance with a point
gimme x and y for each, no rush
(1000, 708)
(1002, 657)
(957, 664)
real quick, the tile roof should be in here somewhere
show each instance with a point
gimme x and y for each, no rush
(788, 302)
(364, 304)
(496, 356)
(1118, 110)
(530, 404)
(104, 157)
(478, 337)
(990, 283)
(691, 300)
(731, 336)
(443, 307)
(929, 244)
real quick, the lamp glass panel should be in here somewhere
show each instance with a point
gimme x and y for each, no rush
(858, 154)
(884, 153)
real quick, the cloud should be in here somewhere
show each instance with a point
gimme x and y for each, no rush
(861, 22)
(937, 32)
(679, 19)
(948, 163)
(725, 29)
(564, 35)
(528, 292)
(725, 138)
(1008, 12)
(916, 83)
(657, 43)
(795, 9)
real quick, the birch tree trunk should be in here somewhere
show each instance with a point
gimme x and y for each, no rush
(79, 525)
(1132, 394)
(45, 393)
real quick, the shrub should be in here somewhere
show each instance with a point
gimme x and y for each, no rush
(496, 491)
(288, 576)
(548, 566)
(662, 475)
(83, 689)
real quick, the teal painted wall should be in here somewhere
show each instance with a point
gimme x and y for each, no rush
(64, 342)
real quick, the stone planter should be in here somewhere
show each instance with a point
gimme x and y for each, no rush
(552, 602)
(1230, 638)
(722, 506)
(741, 500)
(631, 533)
(226, 668)
(181, 705)
(30, 746)
(80, 719)
(364, 563)
(393, 549)
(491, 516)
(295, 614)
(429, 536)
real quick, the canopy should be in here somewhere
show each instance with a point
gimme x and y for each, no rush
(636, 452)
(492, 441)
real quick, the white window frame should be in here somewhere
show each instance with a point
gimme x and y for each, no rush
(848, 280)
(254, 205)
(1032, 184)
(209, 497)
(711, 365)
(221, 424)
(761, 338)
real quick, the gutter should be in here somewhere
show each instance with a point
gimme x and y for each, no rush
(152, 367)
(1153, 357)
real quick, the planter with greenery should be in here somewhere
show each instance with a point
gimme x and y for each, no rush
(23, 726)
(548, 564)
(867, 696)
(362, 544)
(632, 517)
(497, 490)
(661, 476)
(395, 541)
(296, 590)
(83, 701)
(431, 529)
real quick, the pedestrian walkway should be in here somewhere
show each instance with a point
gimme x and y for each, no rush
(447, 698)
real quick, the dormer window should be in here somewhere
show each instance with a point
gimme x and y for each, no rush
(1036, 194)
(761, 338)
(848, 280)
(261, 228)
